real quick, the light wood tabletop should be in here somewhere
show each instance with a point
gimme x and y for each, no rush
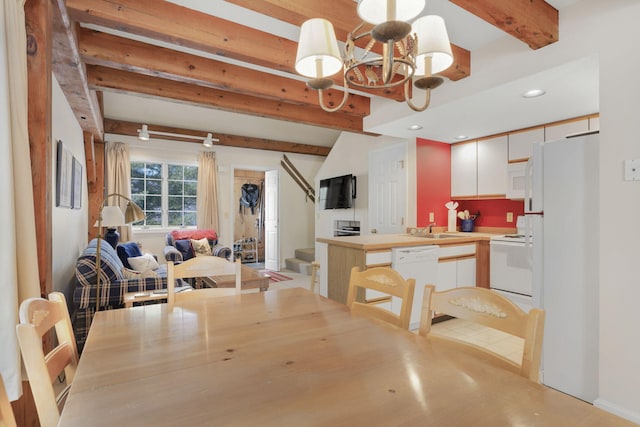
(293, 358)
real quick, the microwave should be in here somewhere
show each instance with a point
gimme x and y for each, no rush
(516, 178)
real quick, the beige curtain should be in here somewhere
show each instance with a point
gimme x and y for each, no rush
(119, 180)
(18, 264)
(207, 195)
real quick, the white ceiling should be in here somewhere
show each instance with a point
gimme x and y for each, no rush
(572, 90)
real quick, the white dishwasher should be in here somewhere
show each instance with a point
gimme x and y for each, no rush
(420, 263)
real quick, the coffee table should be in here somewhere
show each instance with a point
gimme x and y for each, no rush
(250, 278)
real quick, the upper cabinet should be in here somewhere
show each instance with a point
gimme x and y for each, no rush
(479, 168)
(520, 143)
(464, 169)
(559, 131)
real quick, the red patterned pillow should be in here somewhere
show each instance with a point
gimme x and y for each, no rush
(194, 234)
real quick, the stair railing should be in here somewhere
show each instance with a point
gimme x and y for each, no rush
(308, 189)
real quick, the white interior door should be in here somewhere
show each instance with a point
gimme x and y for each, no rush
(271, 230)
(388, 189)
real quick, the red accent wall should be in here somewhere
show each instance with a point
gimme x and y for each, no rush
(433, 174)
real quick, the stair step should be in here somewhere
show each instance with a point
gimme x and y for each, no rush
(306, 254)
(298, 265)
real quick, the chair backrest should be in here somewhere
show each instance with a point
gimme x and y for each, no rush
(7, 419)
(202, 266)
(315, 266)
(490, 309)
(385, 280)
(37, 317)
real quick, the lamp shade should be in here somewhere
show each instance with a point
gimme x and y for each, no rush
(318, 54)
(112, 216)
(433, 41)
(133, 213)
(378, 11)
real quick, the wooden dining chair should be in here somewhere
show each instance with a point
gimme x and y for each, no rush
(37, 317)
(493, 310)
(198, 267)
(387, 281)
(315, 279)
(7, 419)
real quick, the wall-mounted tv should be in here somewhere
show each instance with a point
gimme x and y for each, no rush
(337, 192)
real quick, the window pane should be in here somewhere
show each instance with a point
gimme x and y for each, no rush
(189, 218)
(175, 203)
(154, 186)
(139, 200)
(190, 188)
(137, 186)
(154, 203)
(154, 170)
(137, 170)
(175, 218)
(175, 188)
(175, 172)
(154, 218)
(191, 173)
(190, 204)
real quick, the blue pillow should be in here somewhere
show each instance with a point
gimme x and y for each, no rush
(128, 250)
(184, 246)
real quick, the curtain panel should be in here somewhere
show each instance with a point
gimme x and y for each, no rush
(18, 263)
(119, 180)
(207, 193)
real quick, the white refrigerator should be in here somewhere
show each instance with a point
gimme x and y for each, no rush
(562, 211)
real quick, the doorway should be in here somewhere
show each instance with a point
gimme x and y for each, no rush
(248, 225)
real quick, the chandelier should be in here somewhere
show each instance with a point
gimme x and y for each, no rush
(410, 52)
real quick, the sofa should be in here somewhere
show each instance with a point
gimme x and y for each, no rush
(180, 244)
(113, 285)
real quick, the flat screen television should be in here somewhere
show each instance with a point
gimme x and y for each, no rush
(337, 192)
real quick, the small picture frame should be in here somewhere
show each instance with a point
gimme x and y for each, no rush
(77, 184)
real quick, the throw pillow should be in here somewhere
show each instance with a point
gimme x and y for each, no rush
(128, 250)
(184, 246)
(131, 274)
(201, 247)
(143, 262)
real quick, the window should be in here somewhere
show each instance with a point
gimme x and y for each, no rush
(165, 192)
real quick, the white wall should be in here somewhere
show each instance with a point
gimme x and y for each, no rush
(69, 226)
(296, 213)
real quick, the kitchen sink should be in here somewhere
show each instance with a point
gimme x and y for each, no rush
(439, 236)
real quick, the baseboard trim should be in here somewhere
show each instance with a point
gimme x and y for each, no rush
(617, 410)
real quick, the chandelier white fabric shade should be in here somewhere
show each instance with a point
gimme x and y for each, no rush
(318, 54)
(433, 41)
(378, 11)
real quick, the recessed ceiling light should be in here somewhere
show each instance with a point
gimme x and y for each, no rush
(415, 127)
(461, 137)
(533, 93)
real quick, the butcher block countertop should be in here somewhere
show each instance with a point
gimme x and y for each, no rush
(388, 241)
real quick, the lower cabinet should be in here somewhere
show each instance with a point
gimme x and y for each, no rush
(456, 267)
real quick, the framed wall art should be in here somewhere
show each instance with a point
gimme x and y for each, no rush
(76, 196)
(64, 176)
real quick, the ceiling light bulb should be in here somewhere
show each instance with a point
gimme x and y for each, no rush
(143, 134)
(533, 93)
(415, 127)
(461, 137)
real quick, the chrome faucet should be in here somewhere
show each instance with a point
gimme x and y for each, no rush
(430, 226)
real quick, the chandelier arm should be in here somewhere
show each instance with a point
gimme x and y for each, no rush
(411, 104)
(342, 104)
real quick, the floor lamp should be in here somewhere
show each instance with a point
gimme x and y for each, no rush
(111, 216)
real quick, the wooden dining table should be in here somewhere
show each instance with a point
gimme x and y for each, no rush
(293, 358)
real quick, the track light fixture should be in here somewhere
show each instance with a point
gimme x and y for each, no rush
(144, 134)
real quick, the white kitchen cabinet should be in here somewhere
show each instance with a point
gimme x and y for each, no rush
(464, 169)
(520, 143)
(456, 266)
(551, 133)
(492, 166)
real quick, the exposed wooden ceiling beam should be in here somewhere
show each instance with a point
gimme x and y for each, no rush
(344, 17)
(98, 48)
(534, 22)
(121, 127)
(70, 73)
(182, 26)
(127, 82)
